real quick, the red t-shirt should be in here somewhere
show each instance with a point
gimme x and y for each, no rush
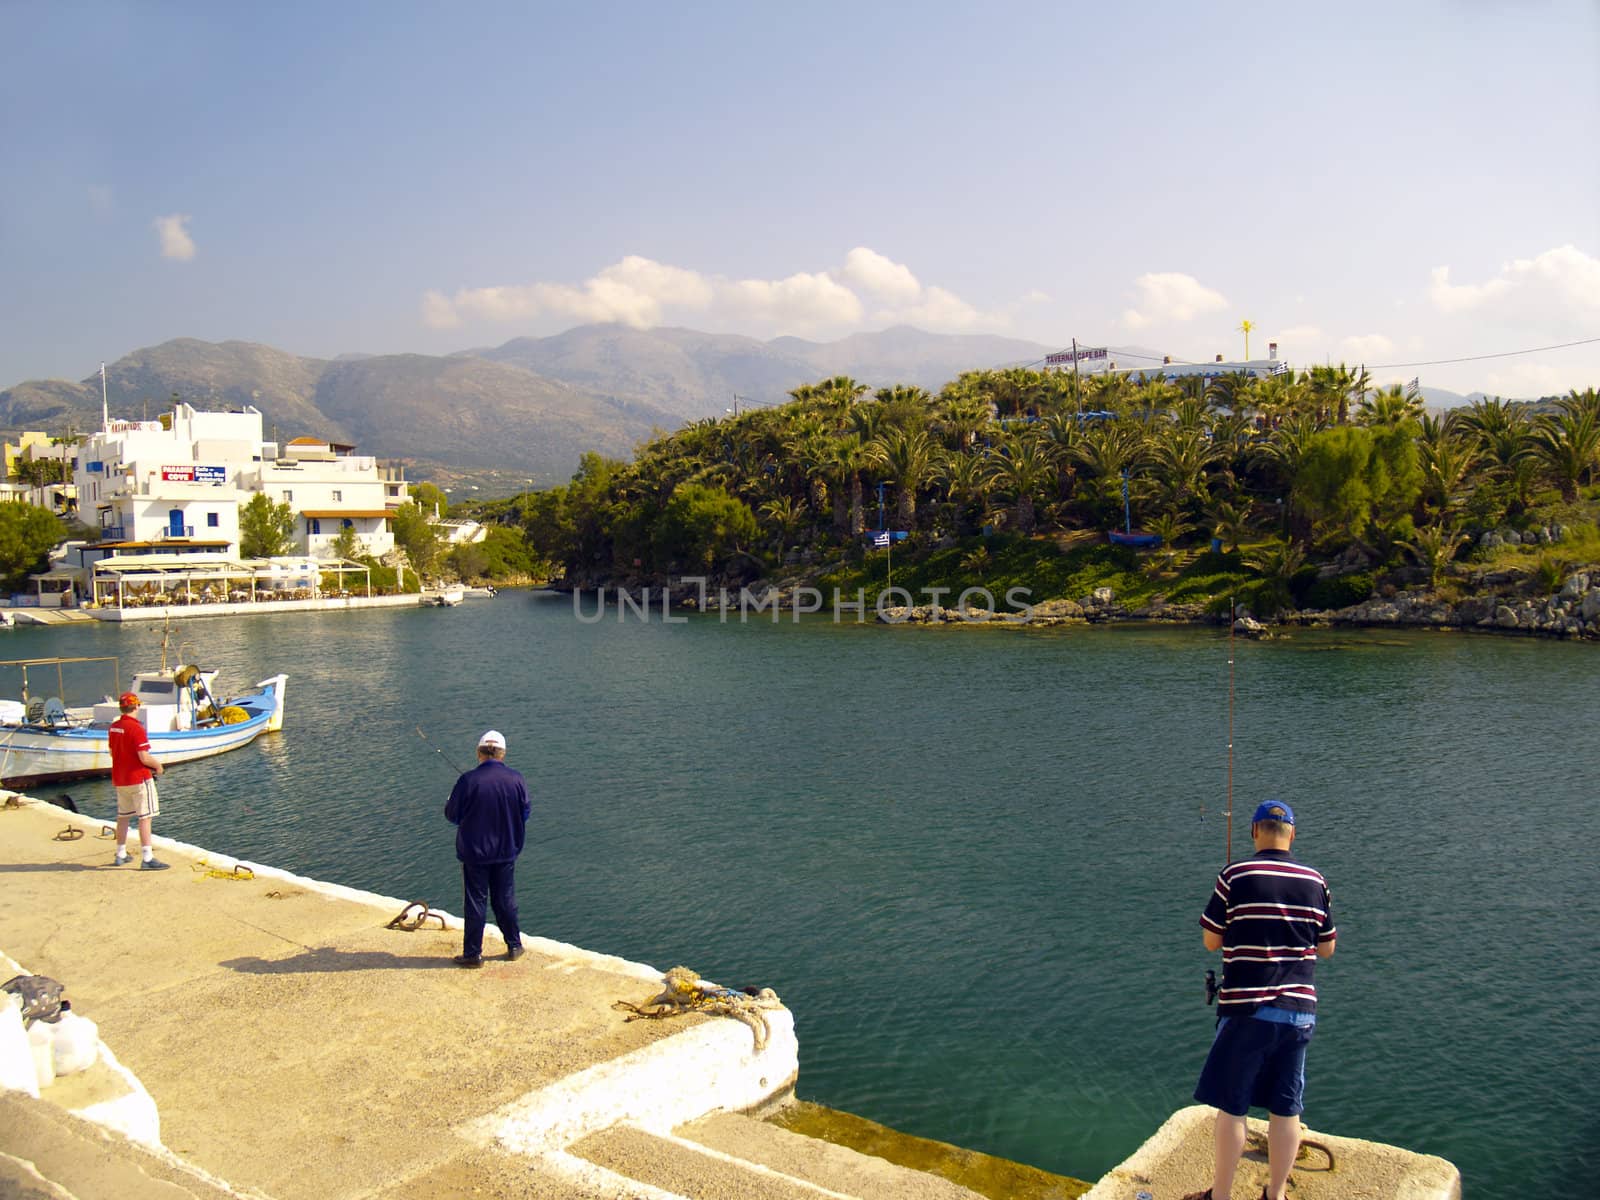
(127, 738)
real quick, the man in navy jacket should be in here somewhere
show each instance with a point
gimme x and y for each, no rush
(489, 807)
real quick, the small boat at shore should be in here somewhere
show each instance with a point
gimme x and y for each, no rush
(1134, 537)
(43, 741)
(446, 597)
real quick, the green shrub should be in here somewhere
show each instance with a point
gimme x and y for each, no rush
(1339, 591)
(1301, 583)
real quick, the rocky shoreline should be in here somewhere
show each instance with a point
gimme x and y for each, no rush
(1573, 612)
(1505, 601)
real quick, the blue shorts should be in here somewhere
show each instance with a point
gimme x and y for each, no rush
(1259, 1064)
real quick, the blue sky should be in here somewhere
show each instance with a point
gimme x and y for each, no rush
(1378, 183)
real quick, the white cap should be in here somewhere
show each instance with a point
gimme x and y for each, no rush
(493, 740)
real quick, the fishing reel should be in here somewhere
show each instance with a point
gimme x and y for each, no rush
(1211, 988)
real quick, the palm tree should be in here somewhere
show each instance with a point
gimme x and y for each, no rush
(1170, 527)
(1181, 457)
(1105, 450)
(1446, 457)
(1433, 547)
(1567, 446)
(840, 392)
(1231, 524)
(966, 481)
(1276, 563)
(1021, 471)
(847, 458)
(1390, 409)
(960, 419)
(786, 513)
(908, 456)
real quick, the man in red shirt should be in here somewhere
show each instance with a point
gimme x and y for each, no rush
(133, 768)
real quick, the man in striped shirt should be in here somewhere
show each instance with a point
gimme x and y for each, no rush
(1272, 919)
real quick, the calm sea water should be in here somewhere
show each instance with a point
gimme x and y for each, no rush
(972, 860)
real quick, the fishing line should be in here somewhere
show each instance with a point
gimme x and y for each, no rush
(1232, 618)
(445, 758)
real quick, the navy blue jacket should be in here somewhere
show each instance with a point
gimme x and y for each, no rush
(489, 806)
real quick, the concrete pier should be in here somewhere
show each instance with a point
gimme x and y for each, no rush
(266, 1035)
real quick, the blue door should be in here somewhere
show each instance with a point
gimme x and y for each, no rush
(175, 523)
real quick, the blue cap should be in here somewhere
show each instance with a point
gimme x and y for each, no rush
(1273, 810)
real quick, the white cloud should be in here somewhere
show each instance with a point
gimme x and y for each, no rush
(438, 312)
(1450, 298)
(1168, 296)
(175, 240)
(1364, 346)
(802, 301)
(872, 272)
(642, 292)
(1562, 282)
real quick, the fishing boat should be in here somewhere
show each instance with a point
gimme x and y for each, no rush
(42, 740)
(446, 597)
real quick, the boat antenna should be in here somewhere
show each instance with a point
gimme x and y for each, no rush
(166, 632)
(1231, 620)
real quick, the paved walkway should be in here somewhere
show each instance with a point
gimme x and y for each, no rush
(296, 1047)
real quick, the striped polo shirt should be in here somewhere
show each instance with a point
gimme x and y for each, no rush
(1272, 913)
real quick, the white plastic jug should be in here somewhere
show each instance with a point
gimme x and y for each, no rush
(77, 1043)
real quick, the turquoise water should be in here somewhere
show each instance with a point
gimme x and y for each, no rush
(972, 860)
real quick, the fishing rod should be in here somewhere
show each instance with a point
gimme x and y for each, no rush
(445, 758)
(1212, 987)
(1232, 620)
(449, 762)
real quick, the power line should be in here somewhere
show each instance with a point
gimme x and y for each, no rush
(1439, 362)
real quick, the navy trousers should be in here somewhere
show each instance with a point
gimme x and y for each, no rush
(494, 883)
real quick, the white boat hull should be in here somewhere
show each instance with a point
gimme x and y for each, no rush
(31, 753)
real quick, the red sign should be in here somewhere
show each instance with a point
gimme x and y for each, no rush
(180, 474)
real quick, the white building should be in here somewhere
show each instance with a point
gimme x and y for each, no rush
(330, 490)
(176, 485)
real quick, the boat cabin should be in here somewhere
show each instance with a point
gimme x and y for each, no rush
(165, 705)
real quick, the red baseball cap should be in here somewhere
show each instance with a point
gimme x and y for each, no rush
(127, 700)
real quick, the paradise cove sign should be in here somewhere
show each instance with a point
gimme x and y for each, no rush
(195, 474)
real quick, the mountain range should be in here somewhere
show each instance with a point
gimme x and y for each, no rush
(523, 410)
(497, 417)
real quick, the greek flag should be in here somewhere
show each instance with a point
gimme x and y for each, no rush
(881, 540)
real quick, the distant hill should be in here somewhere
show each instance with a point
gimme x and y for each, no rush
(442, 415)
(697, 374)
(527, 409)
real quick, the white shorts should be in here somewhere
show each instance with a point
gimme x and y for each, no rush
(138, 801)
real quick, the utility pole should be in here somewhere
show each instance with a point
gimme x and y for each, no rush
(1077, 379)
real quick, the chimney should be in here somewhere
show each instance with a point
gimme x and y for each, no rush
(1166, 360)
(1219, 358)
(1272, 351)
